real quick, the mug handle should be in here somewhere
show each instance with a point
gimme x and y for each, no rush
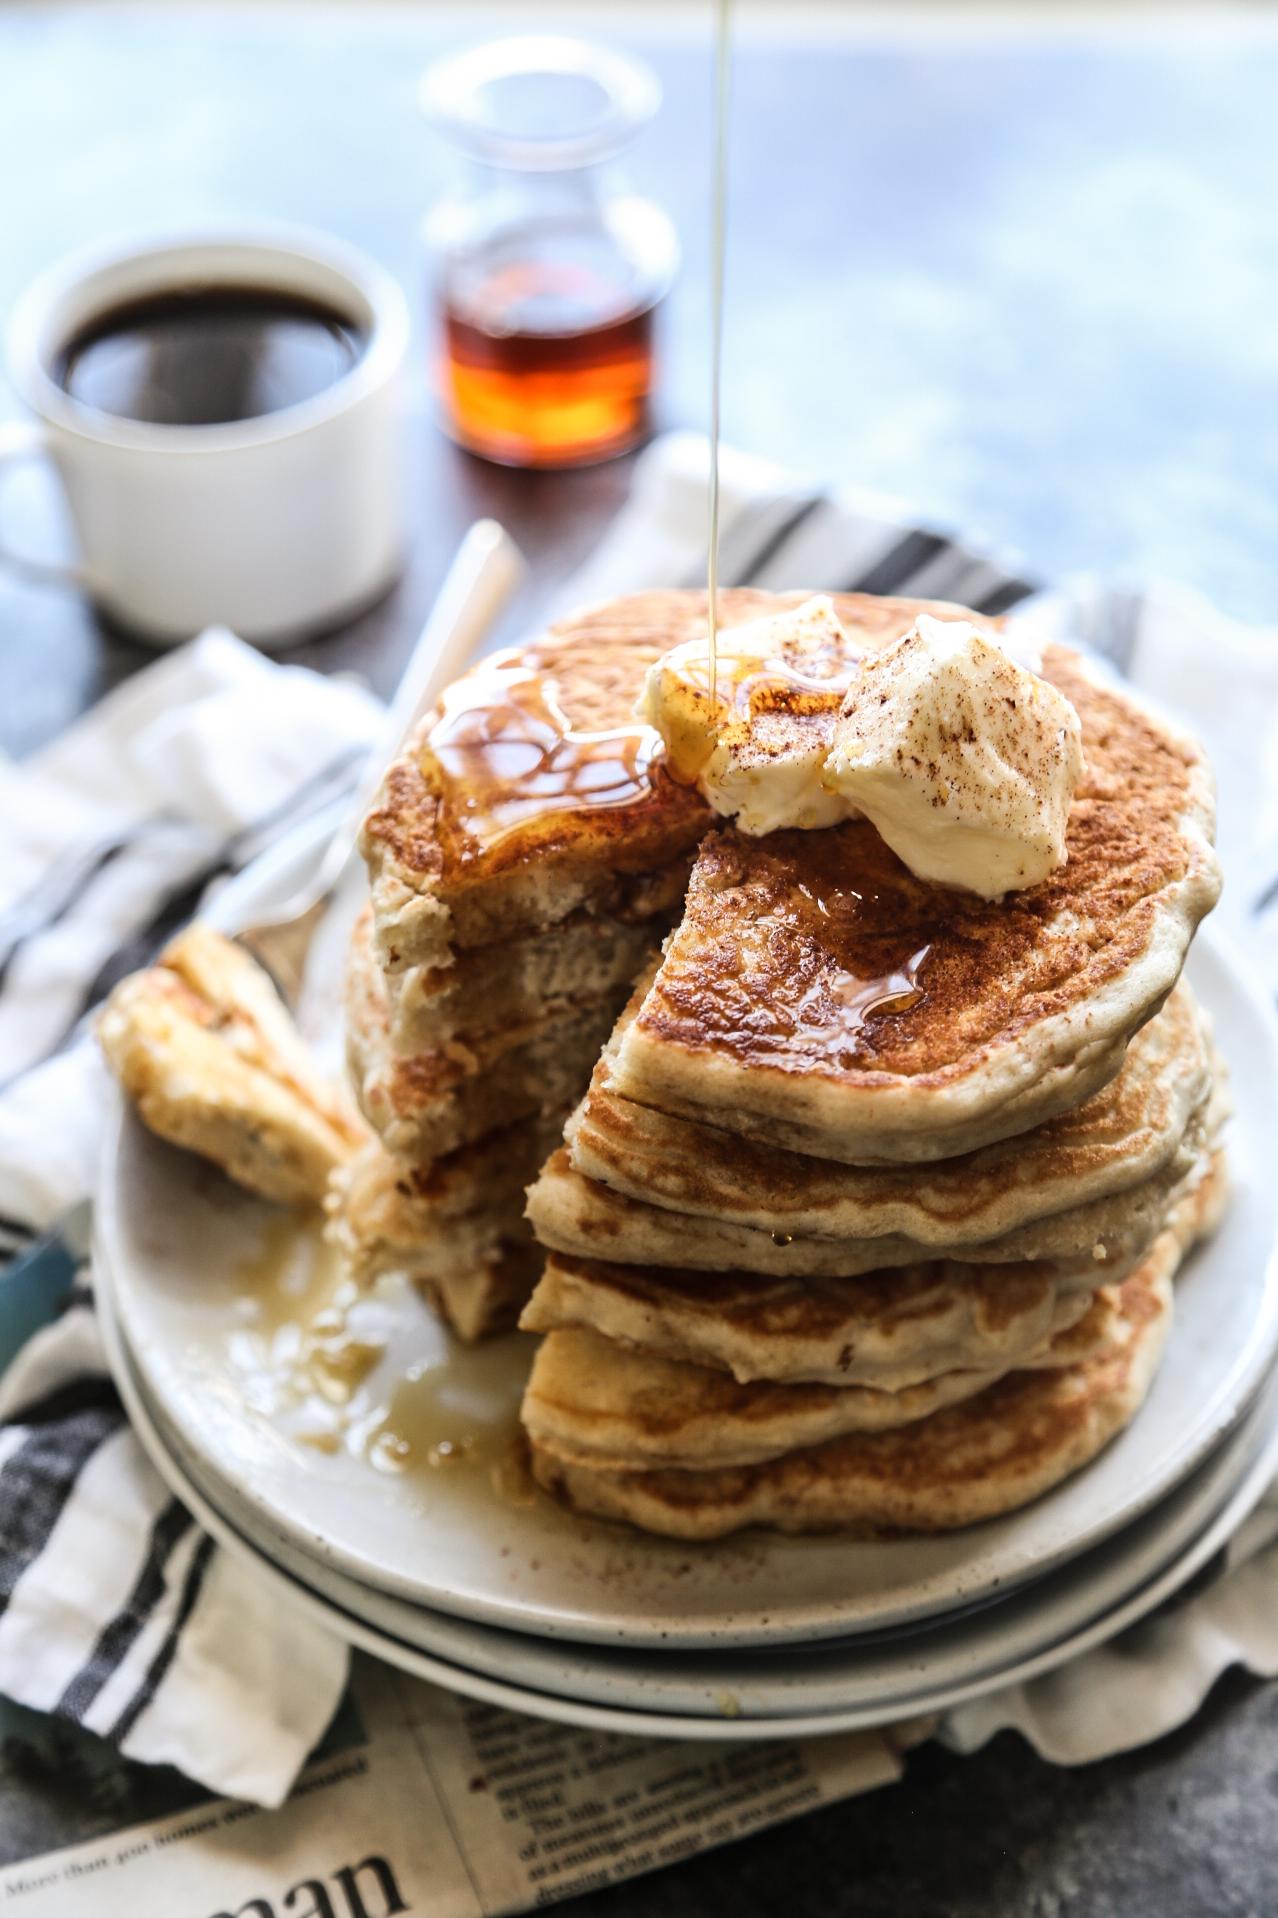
(22, 440)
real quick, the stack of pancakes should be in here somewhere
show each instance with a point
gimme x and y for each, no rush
(870, 1210)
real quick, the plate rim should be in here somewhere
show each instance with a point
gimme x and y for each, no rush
(1255, 1435)
(687, 1728)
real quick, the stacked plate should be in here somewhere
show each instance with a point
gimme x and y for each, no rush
(459, 1570)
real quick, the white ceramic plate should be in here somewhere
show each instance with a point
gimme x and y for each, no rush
(523, 1674)
(178, 1239)
(879, 1674)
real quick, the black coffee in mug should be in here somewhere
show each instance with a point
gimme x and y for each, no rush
(208, 355)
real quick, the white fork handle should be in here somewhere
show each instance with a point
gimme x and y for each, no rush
(480, 580)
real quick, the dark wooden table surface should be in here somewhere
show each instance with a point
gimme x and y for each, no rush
(1024, 282)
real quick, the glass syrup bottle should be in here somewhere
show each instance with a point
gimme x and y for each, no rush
(547, 271)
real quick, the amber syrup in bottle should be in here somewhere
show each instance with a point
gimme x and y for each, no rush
(547, 363)
(547, 269)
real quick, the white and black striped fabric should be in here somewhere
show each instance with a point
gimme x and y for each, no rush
(113, 1608)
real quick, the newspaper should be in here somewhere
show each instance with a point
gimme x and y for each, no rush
(424, 1802)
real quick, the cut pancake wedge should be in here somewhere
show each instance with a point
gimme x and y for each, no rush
(437, 1101)
(518, 980)
(818, 997)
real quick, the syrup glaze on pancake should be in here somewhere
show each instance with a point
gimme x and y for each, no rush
(818, 995)
(534, 773)
(1121, 1135)
(884, 1329)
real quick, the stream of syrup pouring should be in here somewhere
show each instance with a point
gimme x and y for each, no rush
(718, 245)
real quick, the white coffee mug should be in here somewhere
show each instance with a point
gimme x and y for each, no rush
(277, 526)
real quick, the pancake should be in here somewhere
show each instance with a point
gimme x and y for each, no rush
(532, 791)
(887, 1330)
(818, 997)
(204, 1046)
(436, 1101)
(575, 1215)
(479, 1301)
(620, 1410)
(1122, 1135)
(976, 1460)
(427, 1221)
(516, 981)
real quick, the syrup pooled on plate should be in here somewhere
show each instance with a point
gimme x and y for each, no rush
(458, 1417)
(326, 1364)
(306, 1339)
(510, 753)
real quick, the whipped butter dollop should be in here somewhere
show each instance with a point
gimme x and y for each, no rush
(964, 761)
(962, 757)
(755, 744)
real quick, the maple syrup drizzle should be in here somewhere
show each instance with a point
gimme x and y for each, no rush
(506, 747)
(774, 683)
(859, 1000)
(894, 992)
(718, 247)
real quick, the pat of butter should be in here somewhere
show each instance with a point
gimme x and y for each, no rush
(963, 758)
(755, 743)
(965, 762)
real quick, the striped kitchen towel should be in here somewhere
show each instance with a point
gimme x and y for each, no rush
(113, 1608)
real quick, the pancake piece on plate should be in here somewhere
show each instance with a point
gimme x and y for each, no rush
(204, 1046)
